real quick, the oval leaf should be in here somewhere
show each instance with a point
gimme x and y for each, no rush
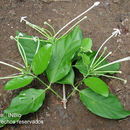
(68, 79)
(97, 85)
(107, 107)
(85, 58)
(86, 45)
(63, 52)
(26, 102)
(80, 65)
(41, 59)
(18, 82)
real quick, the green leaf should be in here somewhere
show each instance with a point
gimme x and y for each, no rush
(86, 45)
(26, 102)
(86, 59)
(68, 79)
(107, 107)
(97, 85)
(41, 59)
(18, 82)
(63, 52)
(81, 67)
(29, 45)
(84, 70)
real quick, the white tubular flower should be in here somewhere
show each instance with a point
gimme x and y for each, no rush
(94, 5)
(20, 34)
(115, 33)
(38, 45)
(102, 59)
(117, 61)
(4, 63)
(16, 63)
(23, 19)
(11, 37)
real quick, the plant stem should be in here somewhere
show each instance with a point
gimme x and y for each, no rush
(48, 87)
(114, 77)
(1, 62)
(16, 63)
(55, 93)
(50, 27)
(76, 88)
(29, 38)
(10, 77)
(40, 80)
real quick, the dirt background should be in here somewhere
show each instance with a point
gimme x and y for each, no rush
(99, 25)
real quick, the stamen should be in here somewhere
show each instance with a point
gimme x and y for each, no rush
(117, 61)
(94, 5)
(115, 33)
(102, 59)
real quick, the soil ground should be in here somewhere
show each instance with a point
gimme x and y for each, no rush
(99, 25)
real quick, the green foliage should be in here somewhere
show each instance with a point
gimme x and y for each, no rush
(81, 67)
(29, 45)
(86, 45)
(56, 57)
(41, 59)
(69, 78)
(63, 52)
(107, 107)
(113, 67)
(97, 85)
(26, 102)
(83, 64)
(18, 82)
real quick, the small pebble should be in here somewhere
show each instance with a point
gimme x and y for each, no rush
(116, 1)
